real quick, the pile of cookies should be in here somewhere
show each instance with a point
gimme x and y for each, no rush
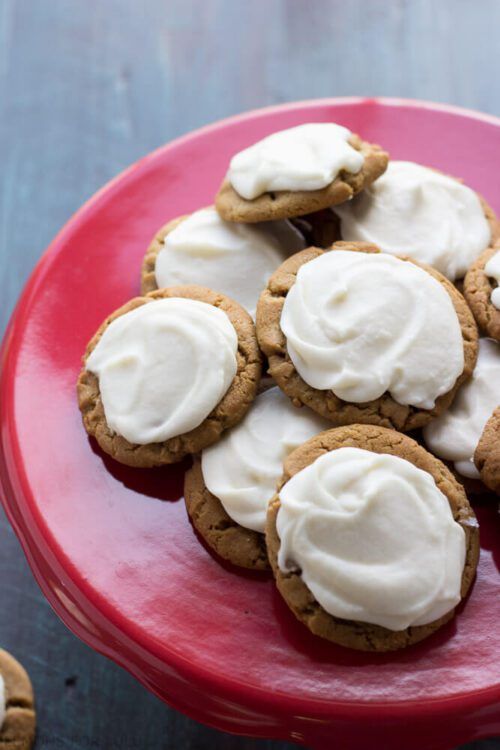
(358, 285)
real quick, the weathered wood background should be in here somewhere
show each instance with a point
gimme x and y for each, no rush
(87, 87)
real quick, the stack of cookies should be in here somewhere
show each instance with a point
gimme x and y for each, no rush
(357, 285)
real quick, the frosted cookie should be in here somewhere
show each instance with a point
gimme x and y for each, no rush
(424, 214)
(297, 171)
(364, 336)
(487, 453)
(166, 374)
(235, 259)
(482, 291)
(454, 435)
(228, 488)
(17, 710)
(371, 539)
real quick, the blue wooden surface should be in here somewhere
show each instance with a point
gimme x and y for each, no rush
(88, 86)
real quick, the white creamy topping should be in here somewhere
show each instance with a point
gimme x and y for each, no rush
(455, 434)
(492, 269)
(243, 468)
(164, 367)
(373, 537)
(235, 259)
(361, 324)
(307, 157)
(3, 701)
(413, 210)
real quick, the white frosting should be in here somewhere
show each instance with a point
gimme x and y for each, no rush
(3, 701)
(307, 157)
(243, 468)
(235, 259)
(361, 324)
(455, 434)
(373, 537)
(164, 367)
(413, 210)
(492, 269)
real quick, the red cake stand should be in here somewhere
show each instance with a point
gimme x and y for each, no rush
(112, 547)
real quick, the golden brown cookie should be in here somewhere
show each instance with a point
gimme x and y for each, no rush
(148, 277)
(383, 411)
(18, 729)
(487, 453)
(232, 542)
(359, 635)
(489, 214)
(477, 291)
(285, 204)
(231, 409)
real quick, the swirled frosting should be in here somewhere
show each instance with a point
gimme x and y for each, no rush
(163, 367)
(373, 537)
(492, 270)
(416, 211)
(362, 324)
(235, 259)
(455, 434)
(243, 468)
(306, 157)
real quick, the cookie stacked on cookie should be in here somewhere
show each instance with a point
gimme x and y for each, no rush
(341, 272)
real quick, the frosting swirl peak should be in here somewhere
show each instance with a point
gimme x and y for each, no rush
(362, 324)
(374, 538)
(163, 367)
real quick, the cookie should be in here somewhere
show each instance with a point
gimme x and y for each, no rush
(285, 204)
(148, 277)
(234, 543)
(18, 729)
(478, 288)
(235, 259)
(355, 634)
(237, 476)
(487, 454)
(455, 434)
(231, 408)
(433, 217)
(384, 410)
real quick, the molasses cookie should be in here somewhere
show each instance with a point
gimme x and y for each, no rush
(298, 171)
(371, 539)
(235, 259)
(166, 374)
(17, 711)
(454, 436)
(362, 336)
(228, 488)
(482, 291)
(423, 214)
(487, 453)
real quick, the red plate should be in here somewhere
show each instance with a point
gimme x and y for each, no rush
(112, 547)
